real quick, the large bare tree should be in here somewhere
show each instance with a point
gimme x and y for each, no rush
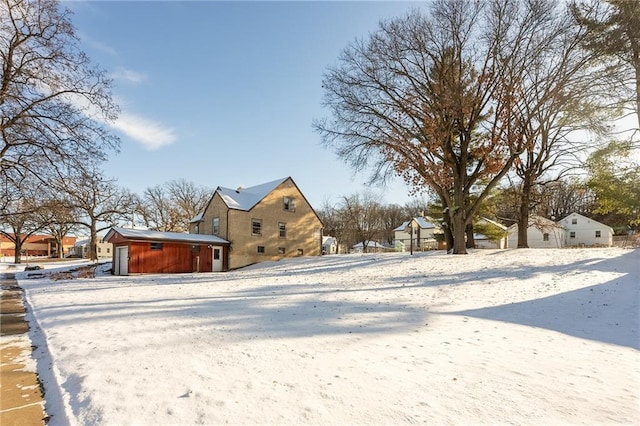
(54, 104)
(98, 203)
(170, 207)
(429, 96)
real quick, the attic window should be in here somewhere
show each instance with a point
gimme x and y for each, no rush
(574, 221)
(288, 204)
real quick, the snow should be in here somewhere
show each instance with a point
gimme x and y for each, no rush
(523, 336)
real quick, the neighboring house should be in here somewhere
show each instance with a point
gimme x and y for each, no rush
(36, 245)
(138, 251)
(329, 245)
(81, 249)
(495, 236)
(264, 222)
(541, 233)
(423, 231)
(371, 247)
(581, 231)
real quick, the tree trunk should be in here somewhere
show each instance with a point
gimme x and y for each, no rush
(523, 214)
(471, 242)
(459, 246)
(93, 242)
(17, 257)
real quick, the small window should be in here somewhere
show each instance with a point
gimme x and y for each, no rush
(572, 234)
(256, 227)
(288, 204)
(598, 234)
(108, 249)
(215, 229)
(574, 221)
(197, 229)
(99, 250)
(282, 250)
(260, 249)
(282, 229)
(216, 254)
(156, 246)
(300, 252)
(545, 237)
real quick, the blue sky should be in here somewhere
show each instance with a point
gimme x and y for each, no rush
(224, 93)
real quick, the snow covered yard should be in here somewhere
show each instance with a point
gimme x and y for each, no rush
(515, 336)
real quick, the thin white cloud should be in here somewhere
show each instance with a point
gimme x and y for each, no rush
(151, 134)
(130, 76)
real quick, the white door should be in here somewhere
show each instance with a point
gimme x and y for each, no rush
(122, 261)
(217, 259)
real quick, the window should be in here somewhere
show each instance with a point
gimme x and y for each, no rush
(156, 246)
(282, 250)
(545, 237)
(283, 229)
(260, 249)
(256, 227)
(300, 252)
(574, 221)
(216, 254)
(215, 229)
(108, 249)
(598, 234)
(99, 251)
(288, 204)
(196, 229)
(572, 234)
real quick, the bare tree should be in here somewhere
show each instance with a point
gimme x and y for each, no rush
(58, 219)
(429, 97)
(98, 202)
(362, 216)
(20, 220)
(335, 224)
(54, 103)
(171, 206)
(562, 91)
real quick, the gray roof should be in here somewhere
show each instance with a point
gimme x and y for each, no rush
(179, 237)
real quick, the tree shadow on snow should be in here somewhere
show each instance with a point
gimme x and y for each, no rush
(608, 312)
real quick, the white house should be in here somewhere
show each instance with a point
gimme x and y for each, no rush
(423, 231)
(581, 231)
(541, 233)
(329, 245)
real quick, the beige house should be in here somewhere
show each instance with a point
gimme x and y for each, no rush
(417, 234)
(263, 222)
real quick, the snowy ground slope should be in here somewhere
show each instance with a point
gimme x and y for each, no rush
(515, 336)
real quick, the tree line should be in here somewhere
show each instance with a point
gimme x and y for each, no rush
(469, 101)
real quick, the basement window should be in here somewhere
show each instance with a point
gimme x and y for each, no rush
(156, 246)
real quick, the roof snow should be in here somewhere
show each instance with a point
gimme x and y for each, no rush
(145, 234)
(246, 198)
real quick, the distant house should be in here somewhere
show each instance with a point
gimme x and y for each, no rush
(263, 222)
(81, 249)
(580, 230)
(368, 247)
(36, 245)
(329, 245)
(491, 234)
(418, 233)
(139, 251)
(541, 233)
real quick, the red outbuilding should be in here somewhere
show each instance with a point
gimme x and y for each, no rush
(138, 251)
